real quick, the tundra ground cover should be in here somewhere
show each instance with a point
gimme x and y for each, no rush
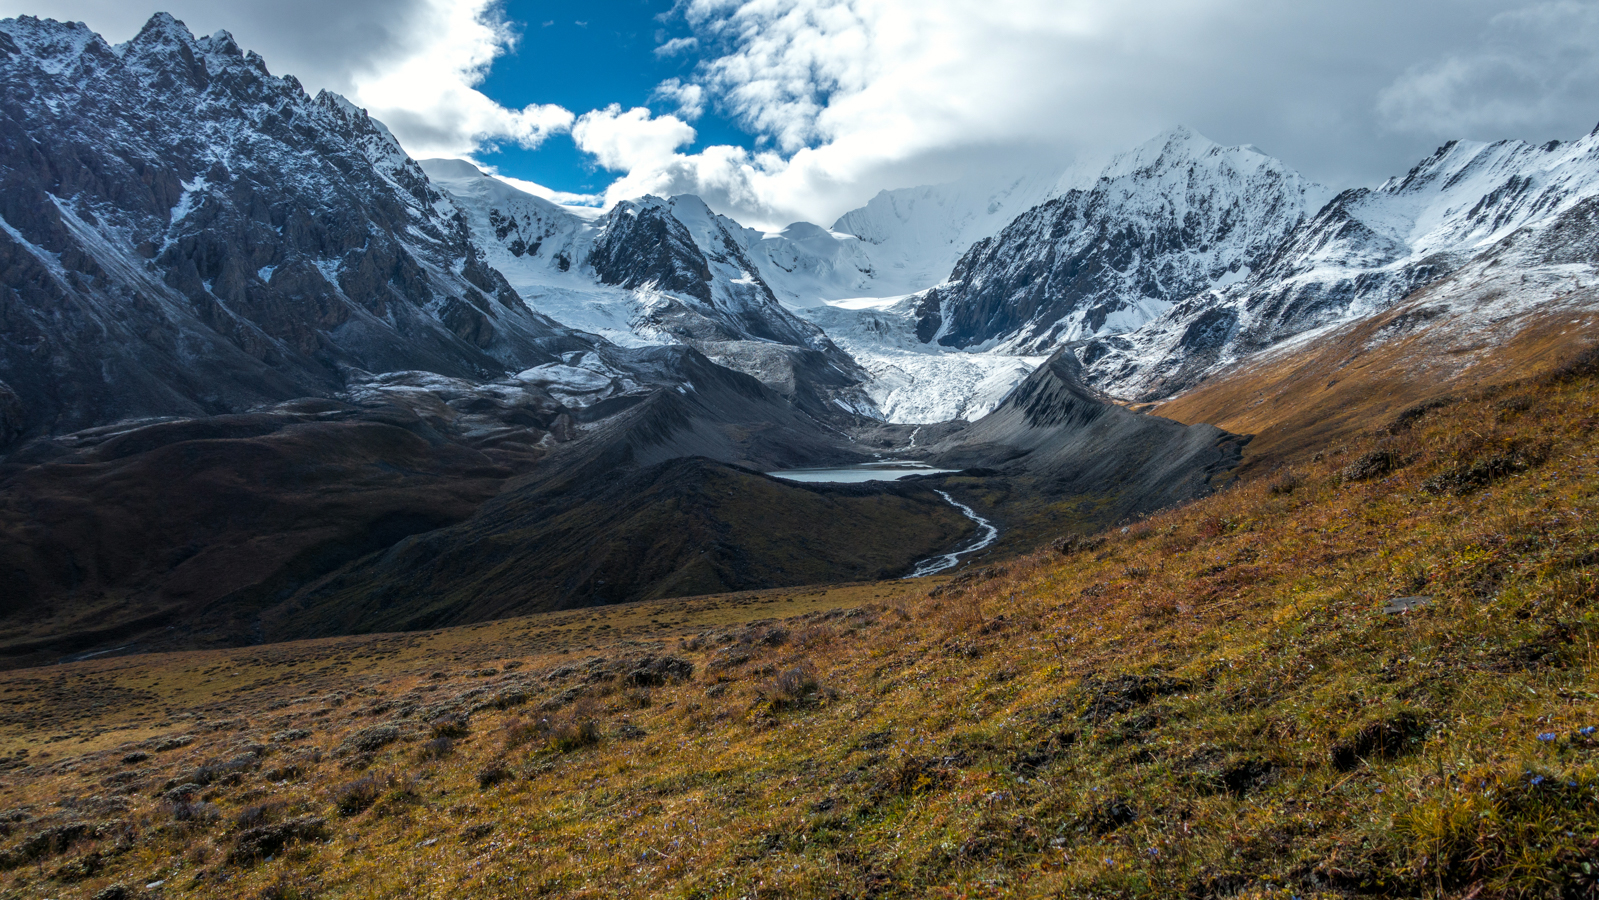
(1368, 673)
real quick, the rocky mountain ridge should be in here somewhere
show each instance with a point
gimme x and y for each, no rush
(185, 233)
(1176, 216)
(1505, 203)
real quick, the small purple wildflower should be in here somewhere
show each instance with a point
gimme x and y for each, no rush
(1548, 736)
(1537, 779)
(1585, 732)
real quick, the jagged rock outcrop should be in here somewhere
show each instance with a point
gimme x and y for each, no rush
(185, 233)
(1525, 205)
(659, 271)
(1179, 215)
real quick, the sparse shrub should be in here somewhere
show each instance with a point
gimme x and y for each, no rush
(283, 773)
(290, 888)
(1284, 484)
(1405, 420)
(46, 843)
(813, 636)
(913, 776)
(229, 771)
(1476, 473)
(195, 812)
(657, 671)
(1372, 465)
(1107, 816)
(518, 732)
(353, 798)
(795, 688)
(453, 725)
(1073, 544)
(1125, 693)
(182, 792)
(729, 658)
(257, 815)
(134, 758)
(257, 844)
(290, 736)
(574, 734)
(495, 774)
(174, 743)
(436, 749)
(371, 740)
(1584, 365)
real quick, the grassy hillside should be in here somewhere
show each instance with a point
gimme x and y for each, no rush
(1370, 673)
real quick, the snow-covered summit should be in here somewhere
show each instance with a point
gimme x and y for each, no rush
(1362, 252)
(1177, 215)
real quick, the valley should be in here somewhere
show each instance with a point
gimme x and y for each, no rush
(372, 526)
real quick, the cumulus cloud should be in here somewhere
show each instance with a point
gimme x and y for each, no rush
(689, 98)
(628, 140)
(845, 97)
(849, 96)
(415, 64)
(1531, 67)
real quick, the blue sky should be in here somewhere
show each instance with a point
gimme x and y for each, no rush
(585, 56)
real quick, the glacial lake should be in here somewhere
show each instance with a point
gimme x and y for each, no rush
(860, 474)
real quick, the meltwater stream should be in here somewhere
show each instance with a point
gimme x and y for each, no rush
(894, 472)
(950, 560)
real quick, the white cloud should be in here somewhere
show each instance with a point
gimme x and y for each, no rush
(1530, 67)
(676, 46)
(846, 97)
(631, 140)
(855, 95)
(689, 98)
(415, 64)
(427, 93)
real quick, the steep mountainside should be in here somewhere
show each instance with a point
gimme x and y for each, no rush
(656, 271)
(1056, 455)
(1179, 215)
(185, 233)
(1507, 203)
(181, 532)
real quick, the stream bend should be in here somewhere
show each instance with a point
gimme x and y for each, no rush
(949, 561)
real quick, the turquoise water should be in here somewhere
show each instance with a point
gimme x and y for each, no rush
(859, 474)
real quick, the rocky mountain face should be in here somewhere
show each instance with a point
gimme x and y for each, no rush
(185, 233)
(1507, 203)
(657, 270)
(1179, 215)
(1055, 436)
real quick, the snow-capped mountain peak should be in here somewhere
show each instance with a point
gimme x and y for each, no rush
(1361, 253)
(1174, 216)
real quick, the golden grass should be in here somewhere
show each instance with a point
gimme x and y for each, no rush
(1211, 703)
